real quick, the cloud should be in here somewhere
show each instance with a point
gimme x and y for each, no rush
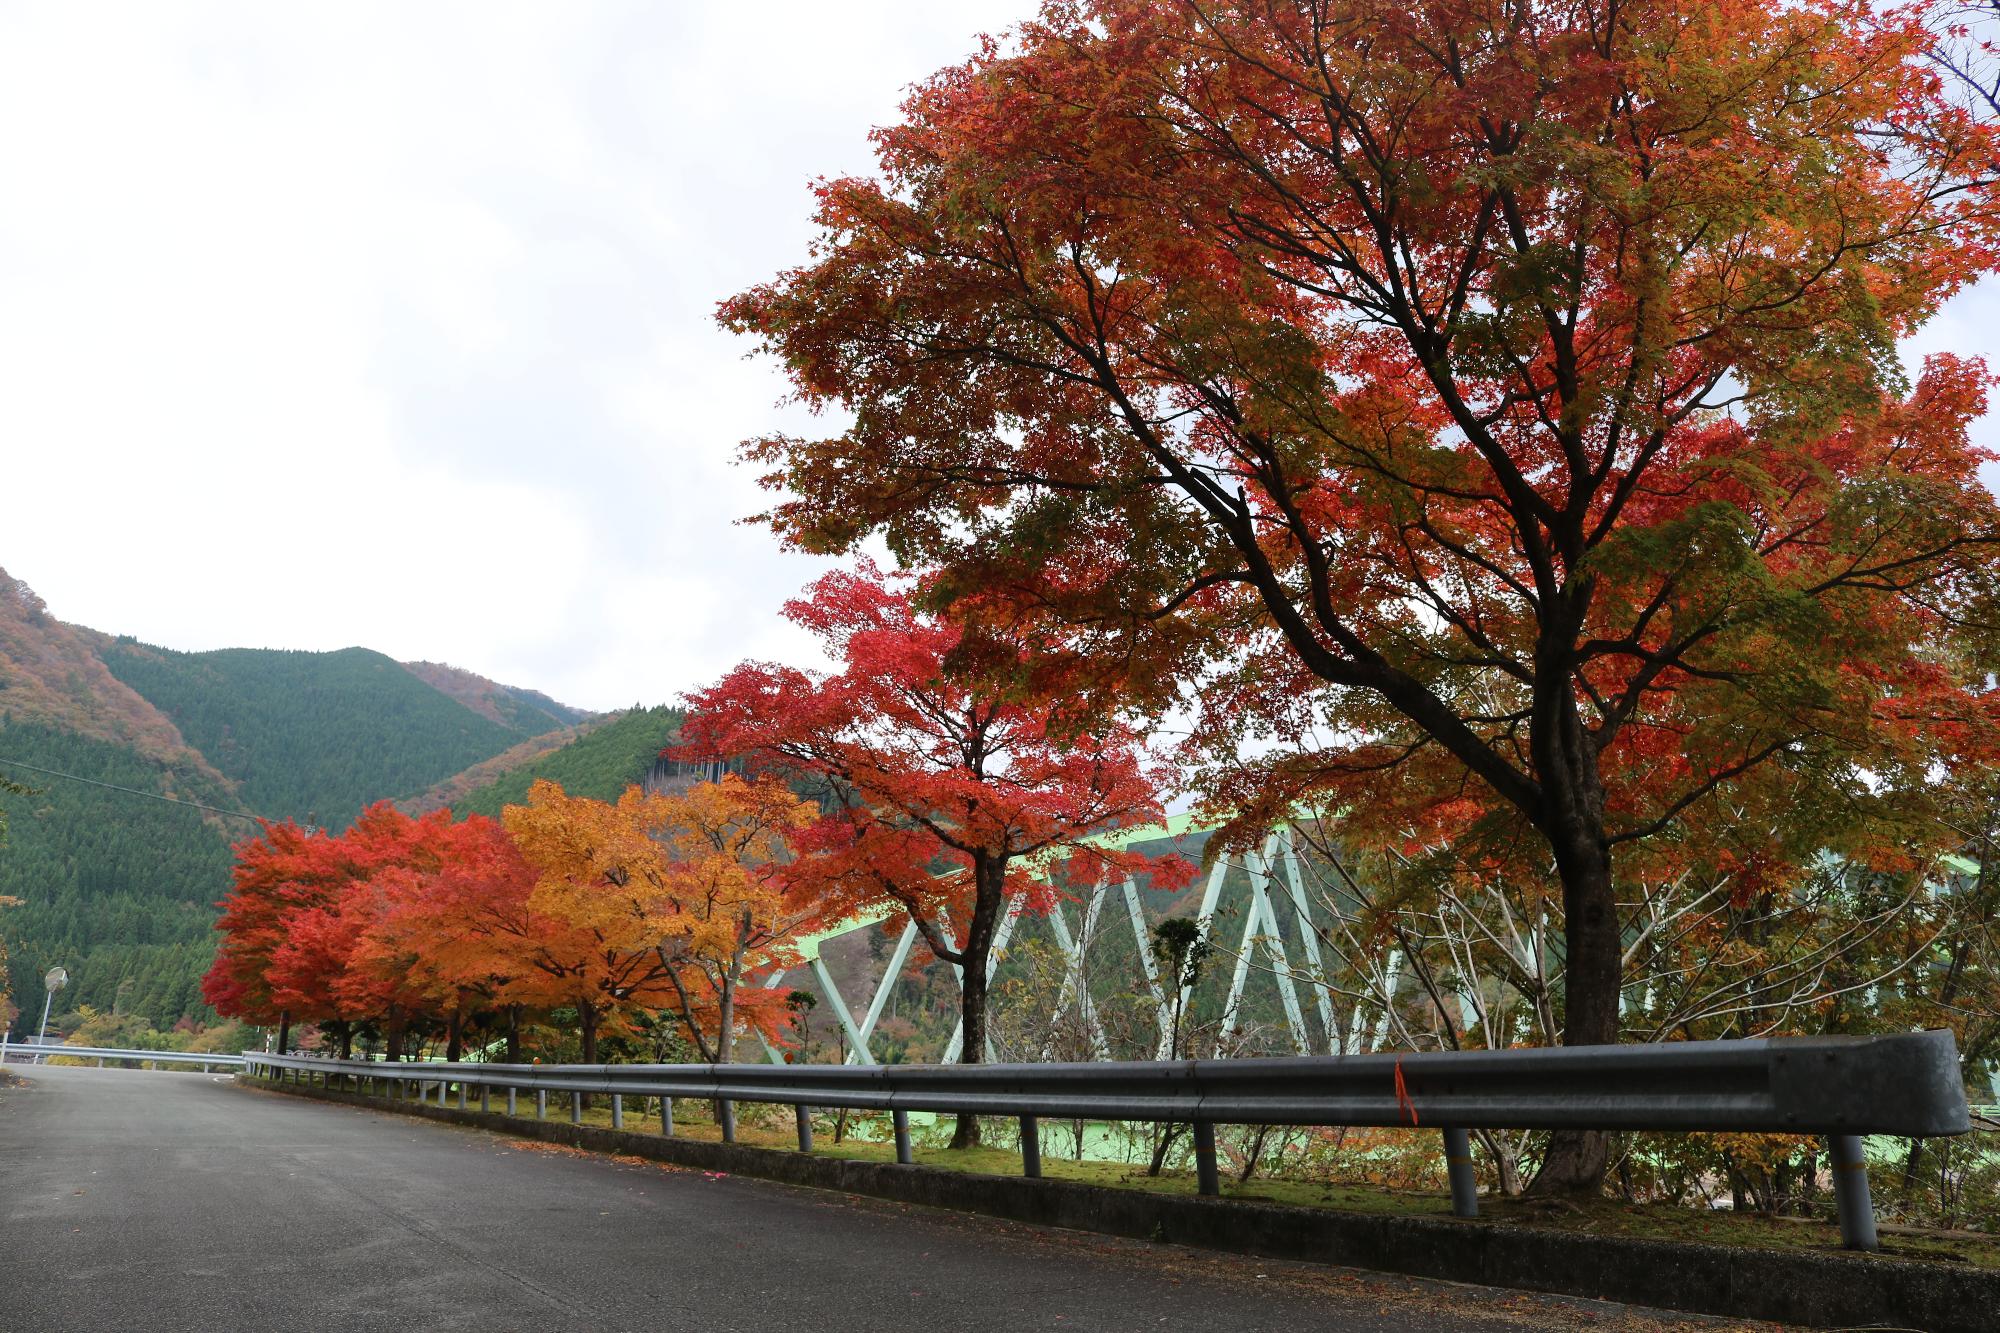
(392, 325)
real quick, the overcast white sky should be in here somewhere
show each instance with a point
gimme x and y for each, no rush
(392, 325)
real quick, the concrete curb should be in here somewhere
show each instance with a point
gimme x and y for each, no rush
(1830, 1290)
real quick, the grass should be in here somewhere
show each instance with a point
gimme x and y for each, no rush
(758, 1127)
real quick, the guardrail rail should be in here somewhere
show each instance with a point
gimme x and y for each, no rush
(1841, 1087)
(29, 1051)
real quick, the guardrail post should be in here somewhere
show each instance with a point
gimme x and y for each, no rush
(1031, 1147)
(667, 1116)
(1207, 1181)
(541, 1104)
(805, 1117)
(618, 1110)
(1458, 1167)
(485, 1099)
(728, 1110)
(461, 1095)
(1850, 1192)
(511, 1095)
(576, 1108)
(901, 1118)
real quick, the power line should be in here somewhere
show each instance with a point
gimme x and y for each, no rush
(133, 791)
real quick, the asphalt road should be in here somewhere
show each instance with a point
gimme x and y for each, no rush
(137, 1200)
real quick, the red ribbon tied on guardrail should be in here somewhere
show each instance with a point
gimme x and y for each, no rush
(1403, 1093)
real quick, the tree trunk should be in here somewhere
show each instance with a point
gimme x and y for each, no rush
(1593, 966)
(1168, 1133)
(393, 1035)
(989, 878)
(347, 1041)
(587, 1014)
(284, 1031)
(725, 1012)
(454, 1045)
(513, 1034)
(1253, 1155)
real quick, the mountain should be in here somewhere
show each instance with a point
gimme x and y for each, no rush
(311, 736)
(528, 711)
(117, 881)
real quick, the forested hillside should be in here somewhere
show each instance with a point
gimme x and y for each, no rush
(115, 887)
(120, 887)
(599, 765)
(311, 736)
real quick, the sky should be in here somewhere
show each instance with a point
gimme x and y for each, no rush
(393, 325)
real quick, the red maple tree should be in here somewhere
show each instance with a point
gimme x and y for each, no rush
(936, 796)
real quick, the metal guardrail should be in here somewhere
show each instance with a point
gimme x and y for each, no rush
(1841, 1087)
(24, 1052)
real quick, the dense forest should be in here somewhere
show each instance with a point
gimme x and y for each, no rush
(599, 765)
(115, 887)
(311, 736)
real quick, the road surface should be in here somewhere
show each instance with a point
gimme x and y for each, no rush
(135, 1199)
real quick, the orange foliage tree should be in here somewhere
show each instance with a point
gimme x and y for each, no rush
(582, 852)
(685, 892)
(723, 902)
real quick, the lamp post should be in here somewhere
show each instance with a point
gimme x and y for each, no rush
(56, 979)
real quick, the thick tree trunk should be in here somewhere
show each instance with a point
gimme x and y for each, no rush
(1572, 818)
(454, 1045)
(284, 1031)
(1576, 1159)
(989, 878)
(393, 1036)
(513, 1034)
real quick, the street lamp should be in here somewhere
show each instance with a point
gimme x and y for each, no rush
(56, 979)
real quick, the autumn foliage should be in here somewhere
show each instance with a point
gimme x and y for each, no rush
(1487, 416)
(945, 785)
(601, 909)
